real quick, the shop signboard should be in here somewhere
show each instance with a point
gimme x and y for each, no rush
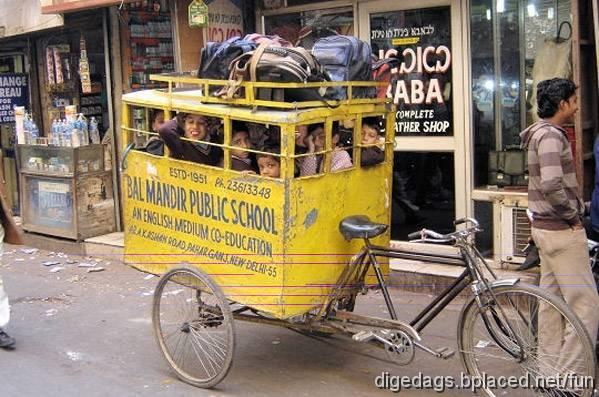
(197, 14)
(225, 19)
(14, 91)
(421, 85)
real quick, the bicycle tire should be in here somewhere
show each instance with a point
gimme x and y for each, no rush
(203, 324)
(518, 305)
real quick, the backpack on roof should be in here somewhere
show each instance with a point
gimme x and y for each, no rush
(345, 58)
(215, 57)
(270, 63)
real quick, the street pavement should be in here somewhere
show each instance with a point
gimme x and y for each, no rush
(90, 334)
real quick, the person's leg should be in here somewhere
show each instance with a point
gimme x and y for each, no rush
(550, 327)
(5, 340)
(566, 253)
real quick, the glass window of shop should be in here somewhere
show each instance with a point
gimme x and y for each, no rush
(74, 74)
(424, 191)
(514, 44)
(149, 37)
(305, 27)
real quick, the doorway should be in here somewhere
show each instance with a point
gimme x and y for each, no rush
(430, 174)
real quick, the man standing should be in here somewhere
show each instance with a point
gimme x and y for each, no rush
(556, 211)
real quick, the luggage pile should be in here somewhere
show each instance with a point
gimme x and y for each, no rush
(257, 58)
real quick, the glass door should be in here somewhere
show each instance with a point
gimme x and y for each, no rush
(430, 182)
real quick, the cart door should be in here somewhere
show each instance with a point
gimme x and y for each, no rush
(429, 173)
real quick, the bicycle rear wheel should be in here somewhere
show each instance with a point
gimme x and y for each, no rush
(193, 325)
(503, 341)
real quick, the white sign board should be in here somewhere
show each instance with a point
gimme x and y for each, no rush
(224, 20)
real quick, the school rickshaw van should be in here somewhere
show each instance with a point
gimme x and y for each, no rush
(272, 243)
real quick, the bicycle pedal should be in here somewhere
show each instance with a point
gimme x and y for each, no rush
(363, 336)
(445, 353)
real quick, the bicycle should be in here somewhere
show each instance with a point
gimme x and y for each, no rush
(498, 324)
(498, 327)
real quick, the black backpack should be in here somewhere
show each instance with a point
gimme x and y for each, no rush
(215, 57)
(345, 58)
(279, 64)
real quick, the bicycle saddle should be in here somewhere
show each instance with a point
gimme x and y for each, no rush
(360, 226)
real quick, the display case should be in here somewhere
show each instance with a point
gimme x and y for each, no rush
(65, 191)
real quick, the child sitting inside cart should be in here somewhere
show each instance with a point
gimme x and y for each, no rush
(315, 141)
(269, 165)
(241, 160)
(155, 145)
(371, 134)
(193, 127)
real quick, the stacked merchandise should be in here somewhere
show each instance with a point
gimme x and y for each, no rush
(69, 132)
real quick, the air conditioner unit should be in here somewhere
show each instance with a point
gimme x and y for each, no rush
(515, 230)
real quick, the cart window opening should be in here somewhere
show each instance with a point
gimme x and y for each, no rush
(342, 153)
(240, 158)
(269, 161)
(310, 149)
(372, 137)
(193, 137)
(146, 122)
(266, 141)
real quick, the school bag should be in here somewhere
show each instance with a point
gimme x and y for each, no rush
(269, 63)
(381, 73)
(345, 58)
(269, 39)
(215, 57)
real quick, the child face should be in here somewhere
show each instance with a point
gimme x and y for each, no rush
(158, 121)
(195, 127)
(318, 135)
(369, 135)
(269, 166)
(240, 139)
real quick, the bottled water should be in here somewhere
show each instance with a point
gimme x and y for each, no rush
(66, 134)
(94, 133)
(54, 132)
(74, 133)
(82, 126)
(34, 133)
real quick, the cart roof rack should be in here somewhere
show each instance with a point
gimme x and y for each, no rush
(185, 85)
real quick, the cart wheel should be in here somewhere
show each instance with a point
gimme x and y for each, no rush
(193, 325)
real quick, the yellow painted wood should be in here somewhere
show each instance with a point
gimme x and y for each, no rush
(272, 244)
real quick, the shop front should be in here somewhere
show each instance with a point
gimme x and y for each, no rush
(464, 90)
(59, 178)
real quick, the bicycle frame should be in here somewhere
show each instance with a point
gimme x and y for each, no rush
(472, 273)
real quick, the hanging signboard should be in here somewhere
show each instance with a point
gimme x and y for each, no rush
(224, 19)
(14, 91)
(421, 87)
(197, 14)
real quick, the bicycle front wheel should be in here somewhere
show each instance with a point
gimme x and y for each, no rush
(193, 325)
(501, 343)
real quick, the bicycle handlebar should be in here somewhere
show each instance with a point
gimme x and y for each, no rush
(465, 220)
(426, 233)
(450, 237)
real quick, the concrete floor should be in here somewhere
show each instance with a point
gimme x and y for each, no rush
(89, 334)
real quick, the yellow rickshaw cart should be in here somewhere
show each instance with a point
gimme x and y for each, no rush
(290, 250)
(269, 244)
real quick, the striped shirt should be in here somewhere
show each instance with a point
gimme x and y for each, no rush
(552, 185)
